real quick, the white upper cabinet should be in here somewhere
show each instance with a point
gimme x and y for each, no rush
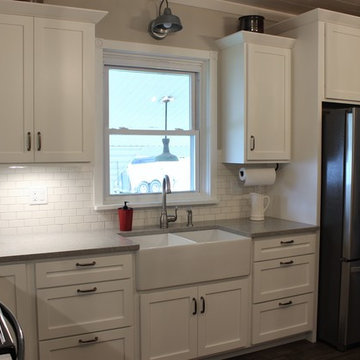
(342, 71)
(255, 97)
(16, 94)
(64, 90)
(47, 89)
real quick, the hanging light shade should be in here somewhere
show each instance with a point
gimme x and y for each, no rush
(164, 23)
(166, 154)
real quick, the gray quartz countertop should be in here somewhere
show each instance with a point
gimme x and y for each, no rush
(47, 245)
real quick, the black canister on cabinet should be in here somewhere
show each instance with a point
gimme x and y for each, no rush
(253, 23)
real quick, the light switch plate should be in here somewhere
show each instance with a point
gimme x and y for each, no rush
(38, 195)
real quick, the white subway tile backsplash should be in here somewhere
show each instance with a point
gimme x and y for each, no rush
(70, 201)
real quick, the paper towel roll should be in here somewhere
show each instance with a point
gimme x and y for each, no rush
(259, 176)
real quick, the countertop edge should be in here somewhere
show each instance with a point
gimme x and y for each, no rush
(68, 253)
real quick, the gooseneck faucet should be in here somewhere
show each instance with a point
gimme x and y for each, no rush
(164, 217)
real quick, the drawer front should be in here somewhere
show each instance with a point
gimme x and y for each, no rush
(83, 270)
(274, 279)
(113, 344)
(284, 246)
(78, 309)
(280, 318)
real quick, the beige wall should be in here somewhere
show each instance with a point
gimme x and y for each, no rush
(128, 20)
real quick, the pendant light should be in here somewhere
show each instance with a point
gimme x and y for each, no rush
(166, 154)
(164, 23)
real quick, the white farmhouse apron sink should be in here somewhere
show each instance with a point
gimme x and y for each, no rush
(167, 260)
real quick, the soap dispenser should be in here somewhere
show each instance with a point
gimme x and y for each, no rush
(125, 217)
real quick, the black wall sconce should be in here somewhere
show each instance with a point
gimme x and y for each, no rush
(165, 23)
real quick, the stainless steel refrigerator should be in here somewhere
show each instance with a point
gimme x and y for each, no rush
(339, 282)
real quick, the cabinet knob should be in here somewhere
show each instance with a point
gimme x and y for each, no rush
(86, 291)
(285, 303)
(252, 143)
(86, 264)
(195, 306)
(203, 305)
(290, 262)
(38, 141)
(287, 242)
(28, 141)
(95, 339)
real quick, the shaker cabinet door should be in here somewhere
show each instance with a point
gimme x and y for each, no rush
(169, 324)
(64, 84)
(342, 71)
(223, 316)
(16, 89)
(268, 102)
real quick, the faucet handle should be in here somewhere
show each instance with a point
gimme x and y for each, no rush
(189, 218)
(173, 218)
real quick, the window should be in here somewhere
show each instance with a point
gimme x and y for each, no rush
(157, 120)
(150, 130)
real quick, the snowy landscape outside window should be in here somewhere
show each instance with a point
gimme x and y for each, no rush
(151, 130)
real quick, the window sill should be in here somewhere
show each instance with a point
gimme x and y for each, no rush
(157, 204)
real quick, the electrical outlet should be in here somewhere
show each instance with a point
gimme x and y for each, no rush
(38, 196)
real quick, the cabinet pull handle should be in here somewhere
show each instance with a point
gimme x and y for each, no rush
(203, 305)
(252, 143)
(39, 140)
(86, 264)
(95, 339)
(286, 303)
(28, 145)
(79, 291)
(195, 306)
(286, 262)
(287, 242)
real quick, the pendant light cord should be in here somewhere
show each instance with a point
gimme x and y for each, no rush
(161, 4)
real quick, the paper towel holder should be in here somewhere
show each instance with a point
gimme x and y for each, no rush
(276, 169)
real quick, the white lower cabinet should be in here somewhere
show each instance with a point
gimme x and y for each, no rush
(14, 293)
(13, 285)
(283, 277)
(186, 323)
(85, 308)
(113, 344)
(69, 310)
(280, 318)
(283, 286)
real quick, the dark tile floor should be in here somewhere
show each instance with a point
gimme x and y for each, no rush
(302, 350)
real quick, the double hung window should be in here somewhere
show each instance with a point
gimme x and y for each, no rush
(156, 122)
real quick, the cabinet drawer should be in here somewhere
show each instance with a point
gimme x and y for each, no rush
(78, 309)
(284, 246)
(113, 344)
(280, 318)
(275, 279)
(83, 270)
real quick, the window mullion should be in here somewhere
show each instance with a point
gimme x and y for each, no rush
(123, 131)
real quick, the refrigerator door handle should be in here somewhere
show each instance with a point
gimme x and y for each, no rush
(351, 227)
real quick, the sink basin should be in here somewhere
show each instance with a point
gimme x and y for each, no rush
(167, 260)
(160, 240)
(203, 236)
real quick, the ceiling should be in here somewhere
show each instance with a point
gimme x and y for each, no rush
(300, 6)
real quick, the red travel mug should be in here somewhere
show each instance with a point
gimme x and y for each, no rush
(125, 217)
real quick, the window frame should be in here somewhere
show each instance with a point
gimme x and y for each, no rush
(126, 54)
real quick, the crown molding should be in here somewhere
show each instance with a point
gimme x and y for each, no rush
(24, 8)
(235, 8)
